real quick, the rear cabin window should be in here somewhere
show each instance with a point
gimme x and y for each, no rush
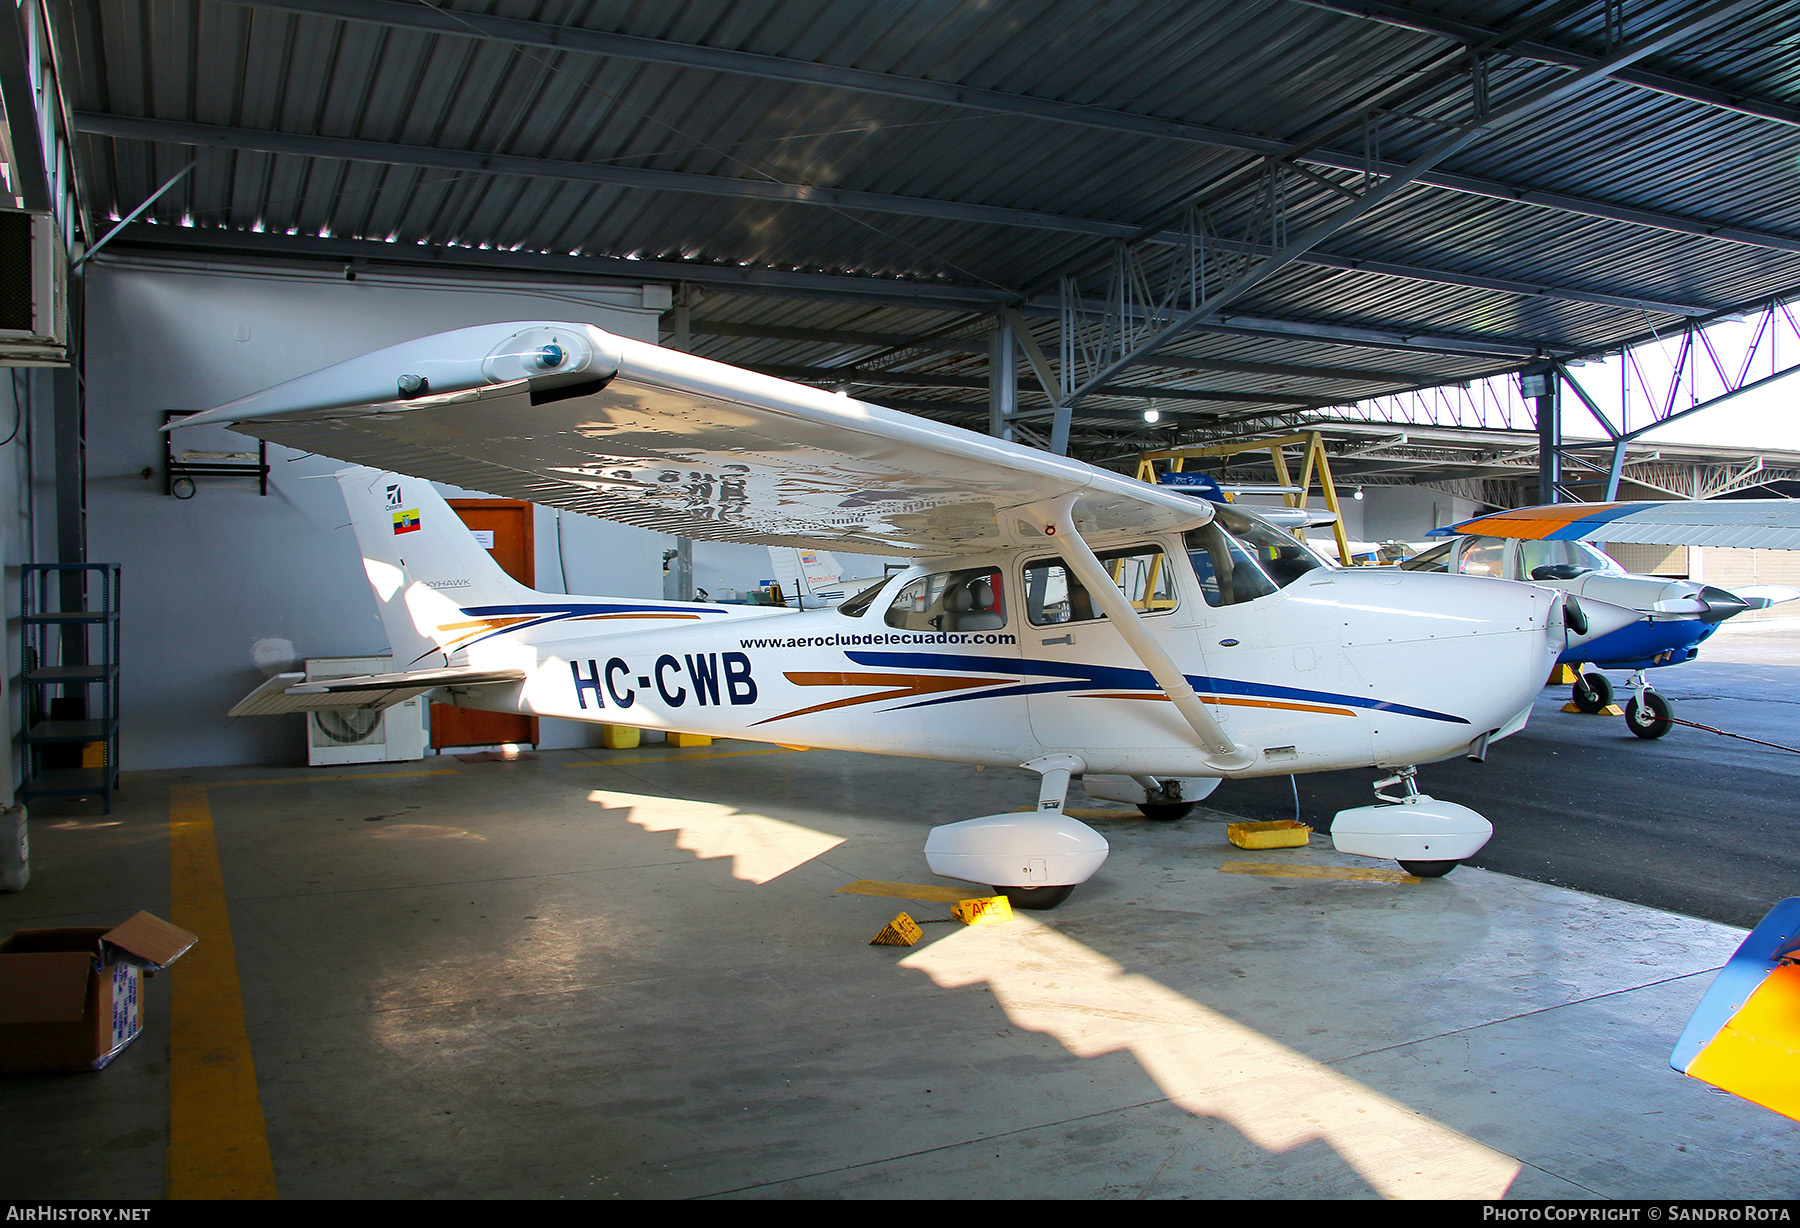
(968, 600)
(1053, 595)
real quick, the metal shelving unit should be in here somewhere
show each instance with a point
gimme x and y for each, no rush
(70, 680)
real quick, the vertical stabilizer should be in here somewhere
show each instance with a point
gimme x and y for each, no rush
(425, 566)
(812, 578)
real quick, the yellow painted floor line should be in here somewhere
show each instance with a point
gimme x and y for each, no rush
(325, 780)
(1360, 874)
(707, 754)
(913, 891)
(218, 1143)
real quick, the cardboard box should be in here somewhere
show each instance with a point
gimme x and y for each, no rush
(71, 999)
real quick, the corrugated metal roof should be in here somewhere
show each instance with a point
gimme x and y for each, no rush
(872, 143)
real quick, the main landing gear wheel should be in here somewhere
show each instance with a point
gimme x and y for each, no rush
(1036, 898)
(1591, 692)
(1651, 718)
(1166, 811)
(1429, 869)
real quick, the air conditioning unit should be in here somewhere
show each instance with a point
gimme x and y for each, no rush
(34, 290)
(362, 735)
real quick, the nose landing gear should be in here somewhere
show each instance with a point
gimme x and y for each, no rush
(1647, 715)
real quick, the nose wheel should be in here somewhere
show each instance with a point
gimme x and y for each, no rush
(1650, 717)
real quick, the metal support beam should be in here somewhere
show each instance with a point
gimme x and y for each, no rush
(18, 94)
(1190, 300)
(1615, 470)
(1546, 51)
(1162, 360)
(821, 336)
(1542, 388)
(920, 379)
(727, 278)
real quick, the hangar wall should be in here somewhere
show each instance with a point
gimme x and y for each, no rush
(227, 587)
(20, 425)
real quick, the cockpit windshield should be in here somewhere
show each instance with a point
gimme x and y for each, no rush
(1239, 558)
(1571, 559)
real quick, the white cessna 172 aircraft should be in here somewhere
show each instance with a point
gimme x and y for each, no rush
(1055, 616)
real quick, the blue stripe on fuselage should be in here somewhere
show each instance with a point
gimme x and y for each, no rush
(1075, 676)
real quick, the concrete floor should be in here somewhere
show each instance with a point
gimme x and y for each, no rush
(633, 974)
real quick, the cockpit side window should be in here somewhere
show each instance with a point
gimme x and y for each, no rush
(1227, 573)
(1568, 559)
(1053, 595)
(967, 600)
(1483, 556)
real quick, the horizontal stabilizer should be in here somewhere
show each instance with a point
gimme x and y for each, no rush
(293, 693)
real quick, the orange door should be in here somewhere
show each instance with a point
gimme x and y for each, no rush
(504, 526)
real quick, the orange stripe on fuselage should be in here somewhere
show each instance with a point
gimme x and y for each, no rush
(902, 686)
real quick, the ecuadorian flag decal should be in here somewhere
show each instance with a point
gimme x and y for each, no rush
(407, 521)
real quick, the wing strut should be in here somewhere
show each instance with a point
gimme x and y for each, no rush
(1059, 524)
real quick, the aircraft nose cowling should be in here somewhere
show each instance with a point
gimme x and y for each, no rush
(1451, 657)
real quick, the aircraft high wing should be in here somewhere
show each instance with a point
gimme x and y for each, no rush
(1054, 616)
(1552, 545)
(1767, 523)
(573, 417)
